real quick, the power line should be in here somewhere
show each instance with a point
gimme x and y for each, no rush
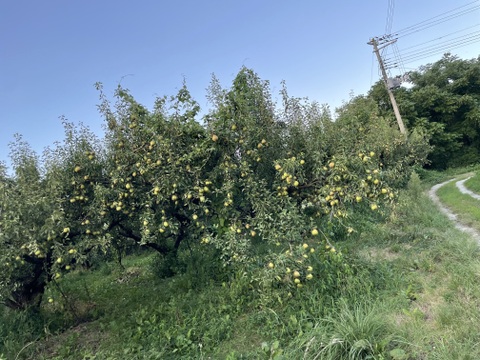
(440, 51)
(436, 50)
(389, 21)
(443, 43)
(415, 53)
(398, 58)
(470, 38)
(441, 37)
(371, 71)
(437, 20)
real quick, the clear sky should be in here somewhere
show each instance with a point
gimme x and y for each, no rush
(53, 51)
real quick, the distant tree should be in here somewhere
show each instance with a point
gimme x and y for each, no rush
(444, 100)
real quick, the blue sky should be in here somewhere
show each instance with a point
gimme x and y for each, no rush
(52, 52)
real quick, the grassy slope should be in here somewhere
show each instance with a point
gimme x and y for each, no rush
(415, 289)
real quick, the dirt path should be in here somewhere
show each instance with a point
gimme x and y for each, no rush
(453, 217)
(461, 186)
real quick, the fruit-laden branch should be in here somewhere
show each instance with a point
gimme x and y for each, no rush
(128, 233)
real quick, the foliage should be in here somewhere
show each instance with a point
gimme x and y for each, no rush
(443, 102)
(255, 189)
(369, 308)
(44, 217)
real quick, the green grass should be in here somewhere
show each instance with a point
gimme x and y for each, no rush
(410, 292)
(464, 205)
(473, 183)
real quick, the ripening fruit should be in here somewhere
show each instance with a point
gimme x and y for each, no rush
(358, 198)
(270, 265)
(305, 246)
(165, 223)
(376, 181)
(77, 169)
(50, 300)
(374, 207)
(214, 137)
(66, 230)
(384, 191)
(195, 216)
(71, 251)
(68, 267)
(331, 165)
(372, 154)
(253, 233)
(59, 260)
(234, 127)
(302, 162)
(278, 167)
(314, 232)
(174, 197)
(297, 281)
(296, 274)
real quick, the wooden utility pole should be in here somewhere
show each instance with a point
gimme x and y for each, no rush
(374, 43)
